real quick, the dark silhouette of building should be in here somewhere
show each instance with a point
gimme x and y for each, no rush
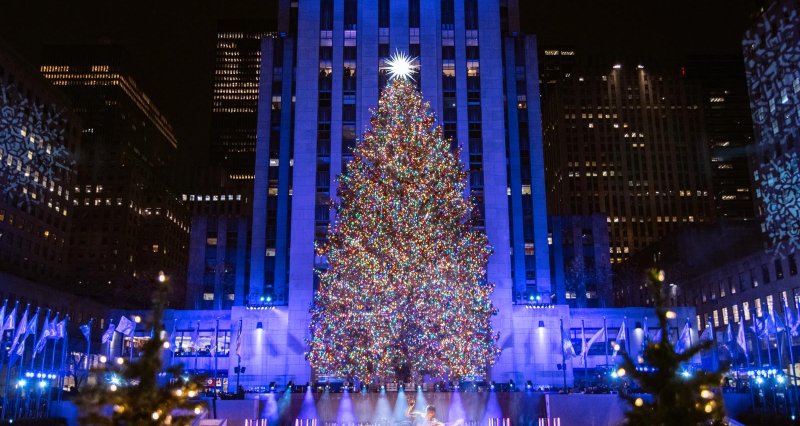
(728, 129)
(128, 222)
(629, 142)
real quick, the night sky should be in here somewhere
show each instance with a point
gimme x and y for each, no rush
(172, 42)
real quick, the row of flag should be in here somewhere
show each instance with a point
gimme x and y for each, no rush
(682, 343)
(27, 325)
(762, 328)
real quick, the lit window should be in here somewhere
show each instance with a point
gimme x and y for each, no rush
(211, 241)
(208, 296)
(155, 248)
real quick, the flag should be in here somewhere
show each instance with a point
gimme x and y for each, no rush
(126, 327)
(708, 333)
(620, 337)
(239, 341)
(19, 330)
(30, 327)
(569, 350)
(592, 340)
(621, 332)
(109, 333)
(46, 330)
(196, 337)
(657, 337)
(729, 333)
(9, 321)
(86, 330)
(683, 339)
(2, 317)
(741, 340)
(61, 329)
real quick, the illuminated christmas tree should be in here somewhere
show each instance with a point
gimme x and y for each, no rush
(404, 293)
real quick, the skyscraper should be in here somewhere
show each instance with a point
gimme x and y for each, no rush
(237, 65)
(128, 222)
(319, 79)
(313, 106)
(729, 130)
(38, 137)
(771, 52)
(628, 142)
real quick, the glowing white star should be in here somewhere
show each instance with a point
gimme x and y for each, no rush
(401, 66)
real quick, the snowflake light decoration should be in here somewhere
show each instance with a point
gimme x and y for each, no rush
(779, 191)
(33, 157)
(401, 66)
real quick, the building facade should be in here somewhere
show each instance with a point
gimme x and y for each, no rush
(128, 221)
(581, 261)
(772, 50)
(729, 131)
(237, 67)
(480, 75)
(38, 137)
(630, 143)
(461, 47)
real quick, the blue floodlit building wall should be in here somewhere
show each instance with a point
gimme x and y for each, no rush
(772, 53)
(313, 106)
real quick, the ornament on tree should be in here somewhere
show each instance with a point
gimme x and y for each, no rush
(404, 293)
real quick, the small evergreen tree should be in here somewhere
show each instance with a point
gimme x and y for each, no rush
(674, 399)
(129, 394)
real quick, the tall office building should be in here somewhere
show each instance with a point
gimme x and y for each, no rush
(319, 79)
(127, 222)
(237, 66)
(729, 130)
(313, 106)
(38, 136)
(628, 142)
(771, 52)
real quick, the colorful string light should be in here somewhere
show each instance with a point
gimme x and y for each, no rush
(405, 291)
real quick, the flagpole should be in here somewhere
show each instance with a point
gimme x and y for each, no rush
(627, 335)
(65, 343)
(746, 358)
(216, 345)
(22, 360)
(8, 371)
(88, 346)
(778, 342)
(239, 355)
(646, 335)
(605, 336)
(111, 339)
(787, 331)
(174, 340)
(44, 359)
(3, 357)
(33, 360)
(196, 347)
(758, 339)
(563, 357)
(584, 352)
(769, 342)
(53, 367)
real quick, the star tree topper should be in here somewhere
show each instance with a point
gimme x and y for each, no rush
(401, 66)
